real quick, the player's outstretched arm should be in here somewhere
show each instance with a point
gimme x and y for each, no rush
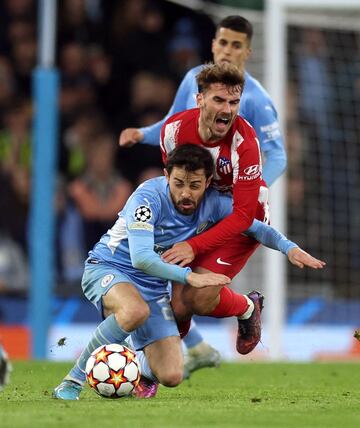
(198, 280)
(301, 258)
(130, 136)
(274, 239)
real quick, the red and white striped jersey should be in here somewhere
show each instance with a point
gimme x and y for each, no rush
(237, 168)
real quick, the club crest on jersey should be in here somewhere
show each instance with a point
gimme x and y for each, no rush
(201, 227)
(143, 213)
(106, 280)
(224, 165)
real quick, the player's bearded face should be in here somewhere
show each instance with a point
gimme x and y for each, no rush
(187, 189)
(219, 107)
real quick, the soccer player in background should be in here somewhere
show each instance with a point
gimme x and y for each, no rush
(126, 279)
(232, 44)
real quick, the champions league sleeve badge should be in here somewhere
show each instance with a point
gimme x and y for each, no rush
(143, 213)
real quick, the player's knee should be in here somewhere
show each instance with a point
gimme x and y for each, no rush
(202, 308)
(171, 377)
(133, 316)
(200, 302)
(180, 310)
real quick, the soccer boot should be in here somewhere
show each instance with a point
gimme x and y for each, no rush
(201, 356)
(67, 390)
(146, 388)
(249, 330)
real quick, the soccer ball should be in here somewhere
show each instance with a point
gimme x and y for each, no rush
(112, 371)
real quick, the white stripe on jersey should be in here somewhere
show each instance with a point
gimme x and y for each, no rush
(117, 233)
(235, 160)
(258, 143)
(214, 151)
(171, 131)
(227, 169)
(260, 157)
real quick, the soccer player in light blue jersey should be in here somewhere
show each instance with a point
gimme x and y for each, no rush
(232, 43)
(126, 279)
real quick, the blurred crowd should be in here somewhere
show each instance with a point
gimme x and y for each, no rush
(120, 63)
(323, 144)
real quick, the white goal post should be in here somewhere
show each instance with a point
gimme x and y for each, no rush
(275, 23)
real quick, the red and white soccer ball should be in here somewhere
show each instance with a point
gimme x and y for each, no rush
(113, 371)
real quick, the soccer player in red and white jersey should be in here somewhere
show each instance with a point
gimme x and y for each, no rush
(232, 141)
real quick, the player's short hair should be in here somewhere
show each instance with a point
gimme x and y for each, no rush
(191, 157)
(236, 23)
(225, 73)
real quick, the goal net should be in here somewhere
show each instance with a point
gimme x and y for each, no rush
(323, 136)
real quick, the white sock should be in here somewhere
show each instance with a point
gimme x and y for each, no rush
(247, 314)
(145, 369)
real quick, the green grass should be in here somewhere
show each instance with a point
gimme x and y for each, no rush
(236, 395)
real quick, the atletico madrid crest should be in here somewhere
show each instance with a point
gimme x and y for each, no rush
(224, 165)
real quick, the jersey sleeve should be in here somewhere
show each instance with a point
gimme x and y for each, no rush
(270, 237)
(263, 117)
(162, 144)
(168, 137)
(152, 133)
(141, 216)
(247, 180)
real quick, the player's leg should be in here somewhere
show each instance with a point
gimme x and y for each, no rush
(166, 360)
(159, 349)
(194, 337)
(124, 310)
(219, 302)
(247, 308)
(199, 353)
(162, 363)
(225, 302)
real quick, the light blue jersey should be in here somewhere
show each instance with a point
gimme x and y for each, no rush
(255, 106)
(149, 224)
(130, 251)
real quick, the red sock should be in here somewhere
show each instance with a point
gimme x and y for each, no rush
(231, 304)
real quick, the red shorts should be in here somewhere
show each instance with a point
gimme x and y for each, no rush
(229, 259)
(232, 257)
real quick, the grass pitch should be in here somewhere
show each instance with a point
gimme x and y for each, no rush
(236, 395)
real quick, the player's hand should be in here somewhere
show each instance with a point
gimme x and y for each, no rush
(181, 254)
(300, 258)
(130, 136)
(202, 280)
